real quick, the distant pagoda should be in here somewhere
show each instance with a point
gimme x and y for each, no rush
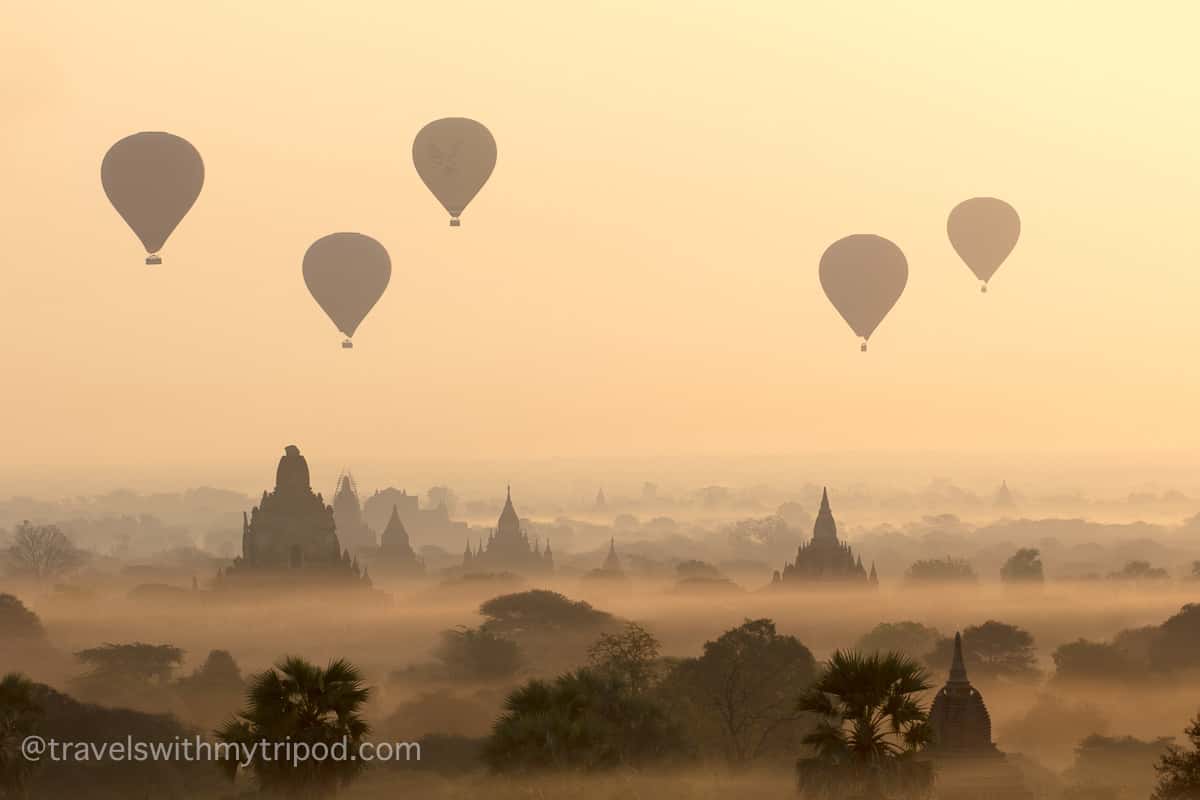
(1004, 497)
(291, 533)
(968, 764)
(825, 559)
(396, 555)
(353, 532)
(508, 548)
(610, 571)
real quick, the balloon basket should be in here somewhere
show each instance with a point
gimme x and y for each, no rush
(347, 345)
(152, 260)
(454, 222)
(983, 288)
(862, 348)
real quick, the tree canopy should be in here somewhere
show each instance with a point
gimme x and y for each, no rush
(580, 720)
(740, 693)
(1025, 566)
(941, 570)
(991, 650)
(907, 638)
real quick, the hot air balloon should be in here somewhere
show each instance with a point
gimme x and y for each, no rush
(346, 274)
(863, 276)
(984, 231)
(152, 179)
(454, 156)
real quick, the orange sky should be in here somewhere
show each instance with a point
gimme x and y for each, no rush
(640, 275)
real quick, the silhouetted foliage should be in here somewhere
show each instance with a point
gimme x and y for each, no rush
(442, 711)
(19, 714)
(41, 552)
(540, 609)
(18, 623)
(870, 728)
(85, 725)
(580, 720)
(1139, 571)
(941, 570)
(1084, 660)
(738, 697)
(123, 673)
(1177, 644)
(1179, 768)
(991, 650)
(907, 638)
(630, 656)
(1053, 725)
(477, 654)
(1025, 566)
(1116, 762)
(212, 689)
(297, 701)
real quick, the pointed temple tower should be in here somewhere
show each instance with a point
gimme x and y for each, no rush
(610, 571)
(825, 558)
(353, 532)
(396, 555)
(291, 533)
(508, 548)
(968, 764)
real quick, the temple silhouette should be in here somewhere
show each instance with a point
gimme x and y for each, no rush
(292, 533)
(824, 558)
(395, 555)
(610, 571)
(425, 525)
(508, 548)
(968, 764)
(353, 532)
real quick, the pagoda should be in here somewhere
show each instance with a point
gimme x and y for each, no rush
(610, 571)
(825, 559)
(291, 533)
(508, 548)
(395, 554)
(353, 532)
(968, 764)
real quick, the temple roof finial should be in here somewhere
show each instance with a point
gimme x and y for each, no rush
(958, 668)
(824, 498)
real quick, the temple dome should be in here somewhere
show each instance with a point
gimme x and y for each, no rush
(292, 473)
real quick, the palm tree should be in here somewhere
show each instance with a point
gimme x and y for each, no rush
(297, 701)
(19, 713)
(870, 728)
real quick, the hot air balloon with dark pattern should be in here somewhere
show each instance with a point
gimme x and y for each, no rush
(152, 179)
(455, 157)
(346, 274)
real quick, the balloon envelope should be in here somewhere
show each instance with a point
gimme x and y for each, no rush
(454, 157)
(984, 231)
(863, 276)
(346, 274)
(152, 179)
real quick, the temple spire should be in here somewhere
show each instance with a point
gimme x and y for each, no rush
(958, 669)
(824, 528)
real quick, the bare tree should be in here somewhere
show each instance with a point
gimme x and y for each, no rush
(41, 551)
